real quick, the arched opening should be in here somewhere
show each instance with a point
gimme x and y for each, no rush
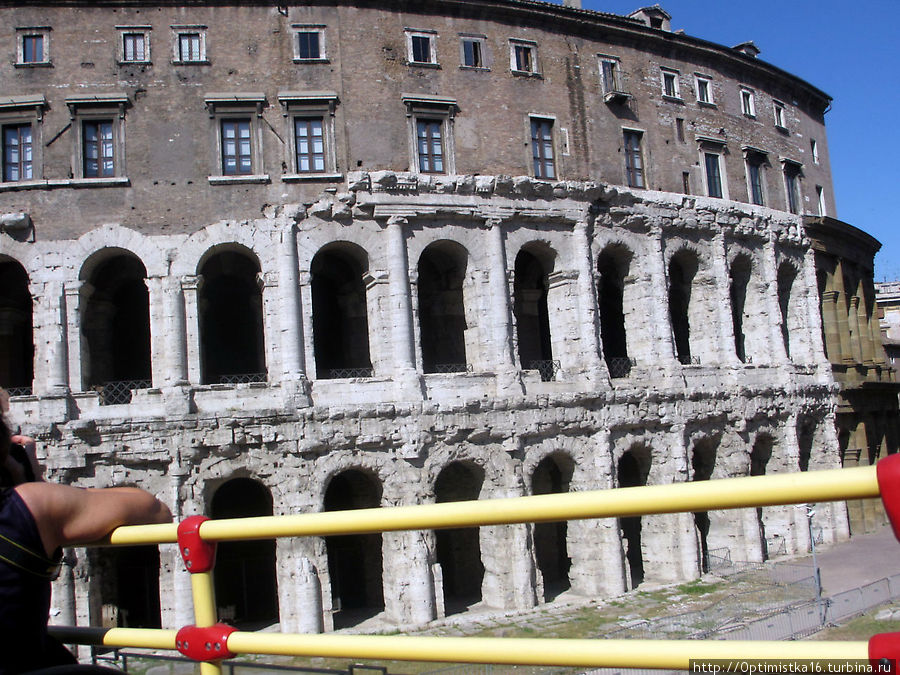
(532, 316)
(759, 458)
(354, 560)
(632, 471)
(340, 319)
(231, 320)
(823, 284)
(806, 431)
(16, 334)
(553, 475)
(116, 324)
(245, 579)
(739, 280)
(786, 275)
(612, 268)
(459, 550)
(442, 317)
(703, 462)
(682, 269)
(128, 585)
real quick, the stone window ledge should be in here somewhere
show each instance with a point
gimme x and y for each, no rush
(115, 181)
(301, 177)
(34, 64)
(673, 99)
(232, 180)
(204, 62)
(321, 60)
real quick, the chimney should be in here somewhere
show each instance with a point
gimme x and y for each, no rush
(655, 17)
(747, 48)
(575, 4)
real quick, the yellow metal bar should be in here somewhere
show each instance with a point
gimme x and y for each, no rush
(670, 654)
(145, 638)
(204, 595)
(711, 495)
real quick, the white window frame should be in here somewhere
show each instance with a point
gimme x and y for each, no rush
(189, 29)
(713, 146)
(431, 35)
(232, 106)
(554, 144)
(814, 150)
(664, 73)
(748, 96)
(23, 32)
(20, 110)
(98, 107)
(779, 112)
(617, 90)
(300, 104)
(133, 30)
(532, 48)
(789, 166)
(710, 101)
(425, 107)
(481, 41)
(820, 201)
(296, 30)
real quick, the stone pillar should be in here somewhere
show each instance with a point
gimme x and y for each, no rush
(77, 294)
(268, 283)
(399, 292)
(853, 322)
(773, 308)
(304, 279)
(190, 287)
(175, 333)
(722, 298)
(409, 593)
(842, 311)
(830, 325)
(293, 366)
(51, 340)
(587, 303)
(815, 310)
(159, 353)
(797, 534)
(501, 333)
(658, 309)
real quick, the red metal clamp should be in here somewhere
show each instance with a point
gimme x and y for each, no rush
(888, 472)
(884, 651)
(204, 644)
(198, 555)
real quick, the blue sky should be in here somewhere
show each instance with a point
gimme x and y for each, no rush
(849, 50)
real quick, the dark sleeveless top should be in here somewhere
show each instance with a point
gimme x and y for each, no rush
(24, 595)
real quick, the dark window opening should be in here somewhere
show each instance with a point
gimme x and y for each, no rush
(686, 182)
(786, 276)
(679, 129)
(459, 550)
(524, 57)
(308, 44)
(703, 462)
(231, 319)
(340, 319)
(116, 324)
(612, 268)
(754, 177)
(421, 49)
(740, 279)
(16, 332)
(805, 437)
(472, 54)
(713, 175)
(245, 579)
(532, 315)
(792, 187)
(632, 471)
(442, 318)
(759, 458)
(32, 49)
(126, 579)
(355, 560)
(682, 269)
(553, 475)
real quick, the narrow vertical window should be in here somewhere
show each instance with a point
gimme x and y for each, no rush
(308, 45)
(308, 133)
(686, 182)
(747, 104)
(18, 161)
(32, 49)
(814, 150)
(134, 47)
(713, 175)
(792, 186)
(430, 146)
(634, 166)
(542, 148)
(236, 148)
(754, 177)
(523, 58)
(704, 90)
(97, 144)
(610, 73)
(820, 200)
(778, 108)
(679, 129)
(670, 83)
(471, 52)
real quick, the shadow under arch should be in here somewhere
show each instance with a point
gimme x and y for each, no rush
(632, 470)
(553, 475)
(16, 329)
(613, 266)
(533, 266)
(442, 316)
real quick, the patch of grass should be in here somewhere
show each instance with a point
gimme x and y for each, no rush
(860, 628)
(699, 587)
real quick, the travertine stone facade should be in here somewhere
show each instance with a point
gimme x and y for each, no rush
(348, 264)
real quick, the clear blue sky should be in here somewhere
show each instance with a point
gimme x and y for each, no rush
(850, 50)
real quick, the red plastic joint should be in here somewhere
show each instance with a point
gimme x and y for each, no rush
(204, 644)
(884, 651)
(198, 555)
(888, 472)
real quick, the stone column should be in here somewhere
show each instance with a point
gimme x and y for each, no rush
(797, 534)
(175, 333)
(842, 310)
(727, 351)
(304, 279)
(501, 333)
(51, 303)
(409, 593)
(664, 345)
(399, 292)
(190, 287)
(853, 322)
(77, 294)
(293, 366)
(773, 308)
(815, 310)
(159, 353)
(587, 303)
(268, 283)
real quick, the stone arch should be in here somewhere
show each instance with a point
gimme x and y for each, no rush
(232, 344)
(553, 475)
(633, 470)
(245, 579)
(683, 317)
(340, 317)
(703, 464)
(738, 282)
(533, 266)
(760, 455)
(115, 323)
(88, 251)
(613, 267)
(787, 303)
(354, 561)
(16, 328)
(442, 271)
(458, 551)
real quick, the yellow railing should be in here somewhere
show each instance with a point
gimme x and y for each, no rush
(210, 642)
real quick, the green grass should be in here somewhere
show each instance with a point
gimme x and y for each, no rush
(861, 628)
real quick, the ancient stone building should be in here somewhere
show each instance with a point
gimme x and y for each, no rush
(282, 258)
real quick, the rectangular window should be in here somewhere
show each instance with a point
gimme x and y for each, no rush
(611, 80)
(32, 49)
(820, 200)
(190, 47)
(18, 158)
(679, 129)
(542, 148)
(713, 175)
(134, 47)
(98, 148)
(308, 45)
(237, 149)
(430, 145)
(792, 186)
(686, 182)
(634, 166)
(704, 90)
(748, 105)
(754, 179)
(309, 135)
(421, 49)
(524, 58)
(472, 56)
(778, 109)
(814, 150)
(670, 84)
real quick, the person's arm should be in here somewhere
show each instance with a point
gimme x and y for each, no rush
(67, 516)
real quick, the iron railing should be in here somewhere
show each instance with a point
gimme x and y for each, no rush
(547, 368)
(620, 366)
(342, 373)
(120, 392)
(243, 378)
